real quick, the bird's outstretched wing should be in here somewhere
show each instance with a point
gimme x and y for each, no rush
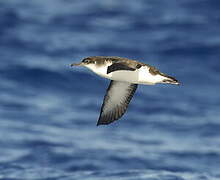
(118, 67)
(117, 98)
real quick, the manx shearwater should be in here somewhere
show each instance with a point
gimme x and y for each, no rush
(125, 75)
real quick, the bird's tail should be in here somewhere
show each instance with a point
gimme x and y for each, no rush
(170, 80)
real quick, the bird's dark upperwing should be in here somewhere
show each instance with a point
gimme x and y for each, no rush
(117, 98)
(119, 66)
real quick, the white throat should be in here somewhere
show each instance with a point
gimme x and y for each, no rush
(101, 70)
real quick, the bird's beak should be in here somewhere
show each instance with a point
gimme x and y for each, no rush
(76, 64)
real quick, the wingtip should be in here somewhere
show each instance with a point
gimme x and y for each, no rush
(100, 122)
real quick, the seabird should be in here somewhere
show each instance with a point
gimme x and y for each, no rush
(125, 75)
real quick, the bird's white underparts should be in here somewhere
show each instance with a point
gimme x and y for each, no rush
(125, 74)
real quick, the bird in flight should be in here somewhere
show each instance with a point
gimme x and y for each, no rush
(125, 75)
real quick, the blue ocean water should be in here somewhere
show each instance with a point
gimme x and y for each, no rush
(48, 111)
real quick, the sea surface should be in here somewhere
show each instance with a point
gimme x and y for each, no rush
(48, 110)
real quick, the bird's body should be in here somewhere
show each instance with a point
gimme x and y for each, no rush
(138, 76)
(125, 75)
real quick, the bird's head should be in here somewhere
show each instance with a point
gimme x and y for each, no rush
(93, 62)
(85, 62)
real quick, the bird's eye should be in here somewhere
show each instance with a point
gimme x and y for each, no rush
(86, 61)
